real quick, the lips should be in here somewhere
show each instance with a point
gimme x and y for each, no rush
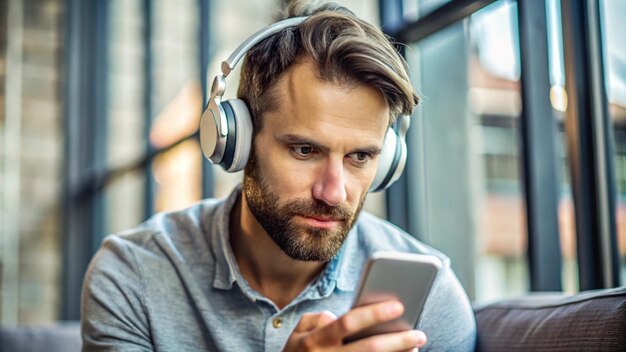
(321, 222)
(321, 218)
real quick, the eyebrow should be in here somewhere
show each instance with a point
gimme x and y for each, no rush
(298, 139)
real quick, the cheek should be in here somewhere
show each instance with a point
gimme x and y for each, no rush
(357, 189)
(286, 177)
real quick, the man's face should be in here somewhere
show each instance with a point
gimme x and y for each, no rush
(314, 160)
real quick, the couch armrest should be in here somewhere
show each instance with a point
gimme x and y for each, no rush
(592, 320)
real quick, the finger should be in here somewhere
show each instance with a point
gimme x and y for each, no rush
(398, 341)
(325, 318)
(360, 318)
(311, 321)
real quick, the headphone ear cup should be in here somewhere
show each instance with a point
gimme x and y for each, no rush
(239, 140)
(391, 161)
(210, 142)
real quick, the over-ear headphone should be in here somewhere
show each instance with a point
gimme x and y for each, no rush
(226, 126)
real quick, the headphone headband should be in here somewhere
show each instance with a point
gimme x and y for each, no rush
(242, 49)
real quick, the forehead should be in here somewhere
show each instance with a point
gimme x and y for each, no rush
(309, 105)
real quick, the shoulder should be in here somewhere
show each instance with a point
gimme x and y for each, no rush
(123, 274)
(447, 320)
(166, 231)
(165, 241)
(132, 265)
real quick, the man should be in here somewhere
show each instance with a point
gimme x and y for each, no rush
(275, 265)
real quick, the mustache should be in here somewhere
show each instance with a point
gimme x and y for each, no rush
(314, 208)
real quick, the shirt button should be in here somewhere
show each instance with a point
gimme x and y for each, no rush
(277, 323)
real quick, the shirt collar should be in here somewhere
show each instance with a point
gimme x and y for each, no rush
(342, 271)
(226, 269)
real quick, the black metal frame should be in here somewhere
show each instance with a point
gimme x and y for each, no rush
(391, 17)
(447, 14)
(590, 145)
(85, 87)
(149, 183)
(539, 166)
(208, 179)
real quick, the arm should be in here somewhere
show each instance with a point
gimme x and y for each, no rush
(325, 332)
(112, 307)
(448, 319)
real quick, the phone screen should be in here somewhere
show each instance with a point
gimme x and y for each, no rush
(401, 276)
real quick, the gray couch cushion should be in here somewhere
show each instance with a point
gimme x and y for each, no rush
(62, 337)
(588, 321)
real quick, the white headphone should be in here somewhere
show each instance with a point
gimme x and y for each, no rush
(226, 126)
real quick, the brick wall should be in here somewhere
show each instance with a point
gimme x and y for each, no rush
(42, 148)
(40, 161)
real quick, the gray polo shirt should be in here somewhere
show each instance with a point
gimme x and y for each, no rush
(172, 284)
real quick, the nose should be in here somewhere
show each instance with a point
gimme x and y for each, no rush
(330, 187)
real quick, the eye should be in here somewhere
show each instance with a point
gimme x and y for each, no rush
(302, 151)
(360, 158)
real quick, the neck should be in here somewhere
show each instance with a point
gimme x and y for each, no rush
(262, 263)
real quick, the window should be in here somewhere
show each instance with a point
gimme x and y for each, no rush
(471, 197)
(615, 71)
(558, 101)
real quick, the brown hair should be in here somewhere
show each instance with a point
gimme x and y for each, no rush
(345, 50)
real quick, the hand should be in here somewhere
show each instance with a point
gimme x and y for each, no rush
(325, 332)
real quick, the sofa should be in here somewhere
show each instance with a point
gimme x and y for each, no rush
(60, 337)
(588, 321)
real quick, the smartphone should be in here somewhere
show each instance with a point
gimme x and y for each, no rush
(405, 277)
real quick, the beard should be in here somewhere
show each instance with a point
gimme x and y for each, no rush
(298, 241)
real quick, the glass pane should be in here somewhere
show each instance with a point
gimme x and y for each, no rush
(615, 60)
(558, 99)
(471, 200)
(126, 140)
(176, 107)
(177, 103)
(416, 9)
(495, 101)
(177, 172)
